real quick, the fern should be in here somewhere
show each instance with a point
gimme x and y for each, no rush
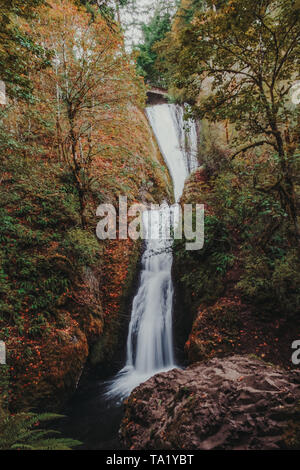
(18, 432)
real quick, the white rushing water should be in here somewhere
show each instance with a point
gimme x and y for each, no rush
(177, 140)
(149, 342)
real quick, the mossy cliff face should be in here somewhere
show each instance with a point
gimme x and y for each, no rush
(118, 283)
(239, 293)
(63, 291)
(198, 275)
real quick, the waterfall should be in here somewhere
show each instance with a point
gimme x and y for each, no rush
(149, 342)
(177, 140)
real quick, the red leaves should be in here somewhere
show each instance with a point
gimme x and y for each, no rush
(117, 256)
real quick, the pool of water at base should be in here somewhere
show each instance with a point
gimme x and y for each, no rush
(92, 418)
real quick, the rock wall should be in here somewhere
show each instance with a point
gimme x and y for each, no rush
(237, 402)
(236, 295)
(65, 295)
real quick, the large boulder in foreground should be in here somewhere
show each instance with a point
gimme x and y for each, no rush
(237, 402)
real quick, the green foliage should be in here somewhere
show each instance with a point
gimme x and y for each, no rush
(51, 308)
(201, 272)
(4, 386)
(272, 284)
(153, 32)
(188, 9)
(241, 60)
(16, 45)
(245, 226)
(261, 228)
(21, 432)
(261, 195)
(43, 251)
(83, 245)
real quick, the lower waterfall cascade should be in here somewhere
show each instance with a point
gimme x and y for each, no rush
(150, 336)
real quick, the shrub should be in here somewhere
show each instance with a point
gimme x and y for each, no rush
(21, 432)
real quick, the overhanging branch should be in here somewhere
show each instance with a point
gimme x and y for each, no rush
(250, 146)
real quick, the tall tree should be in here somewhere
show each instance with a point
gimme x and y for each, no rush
(248, 54)
(153, 32)
(92, 81)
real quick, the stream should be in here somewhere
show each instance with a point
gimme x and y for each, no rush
(95, 412)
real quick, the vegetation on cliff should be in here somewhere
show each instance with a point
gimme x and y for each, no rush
(74, 138)
(153, 32)
(73, 135)
(235, 63)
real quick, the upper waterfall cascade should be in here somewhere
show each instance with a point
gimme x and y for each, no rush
(177, 140)
(149, 342)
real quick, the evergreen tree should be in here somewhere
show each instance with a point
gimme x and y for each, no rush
(153, 32)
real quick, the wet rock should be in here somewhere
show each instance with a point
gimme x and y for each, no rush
(237, 402)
